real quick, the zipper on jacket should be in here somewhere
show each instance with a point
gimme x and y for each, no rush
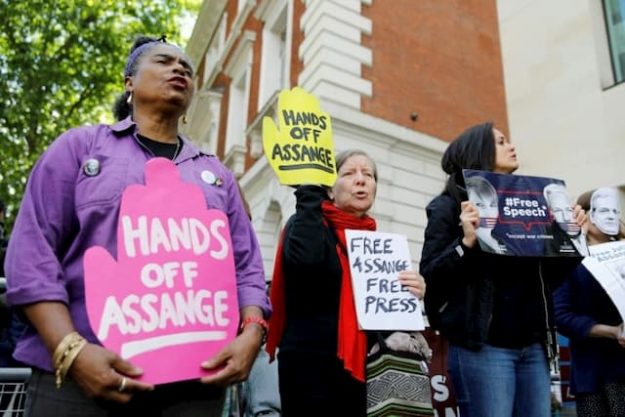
(552, 353)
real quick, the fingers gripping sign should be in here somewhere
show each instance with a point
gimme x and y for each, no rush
(169, 300)
(300, 150)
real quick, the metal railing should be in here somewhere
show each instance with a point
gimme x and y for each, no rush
(13, 383)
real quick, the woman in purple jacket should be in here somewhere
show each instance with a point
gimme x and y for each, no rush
(71, 203)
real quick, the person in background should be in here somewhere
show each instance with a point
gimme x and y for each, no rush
(261, 396)
(605, 211)
(587, 316)
(494, 310)
(321, 358)
(72, 202)
(258, 395)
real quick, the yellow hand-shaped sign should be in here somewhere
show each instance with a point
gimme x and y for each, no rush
(300, 150)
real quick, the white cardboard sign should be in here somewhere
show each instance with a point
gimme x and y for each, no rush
(375, 261)
(607, 264)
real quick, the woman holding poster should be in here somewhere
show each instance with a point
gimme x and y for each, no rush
(322, 351)
(72, 204)
(587, 316)
(494, 310)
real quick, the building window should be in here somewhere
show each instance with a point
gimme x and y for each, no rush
(240, 5)
(209, 144)
(239, 69)
(614, 13)
(215, 50)
(237, 112)
(275, 54)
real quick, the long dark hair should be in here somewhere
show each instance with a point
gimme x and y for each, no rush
(121, 108)
(473, 149)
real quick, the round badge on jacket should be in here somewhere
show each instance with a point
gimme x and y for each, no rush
(91, 167)
(210, 178)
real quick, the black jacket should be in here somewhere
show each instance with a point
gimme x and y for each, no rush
(312, 277)
(475, 297)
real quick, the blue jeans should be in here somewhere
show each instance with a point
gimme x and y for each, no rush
(261, 389)
(500, 382)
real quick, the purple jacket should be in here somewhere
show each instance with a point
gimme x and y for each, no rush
(65, 211)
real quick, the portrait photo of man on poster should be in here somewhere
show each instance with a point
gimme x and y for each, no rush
(564, 228)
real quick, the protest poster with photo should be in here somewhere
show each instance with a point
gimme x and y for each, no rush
(382, 303)
(524, 216)
(607, 264)
(171, 290)
(300, 149)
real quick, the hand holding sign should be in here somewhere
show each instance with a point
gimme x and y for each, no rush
(172, 290)
(101, 373)
(413, 282)
(300, 150)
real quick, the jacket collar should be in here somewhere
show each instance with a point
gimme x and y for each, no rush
(123, 125)
(127, 125)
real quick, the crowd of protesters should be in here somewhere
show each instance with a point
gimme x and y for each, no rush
(496, 311)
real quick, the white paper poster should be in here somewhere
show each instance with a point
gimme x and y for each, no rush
(607, 264)
(382, 303)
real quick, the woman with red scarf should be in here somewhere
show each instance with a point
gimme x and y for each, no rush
(322, 352)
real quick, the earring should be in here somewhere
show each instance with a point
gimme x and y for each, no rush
(184, 119)
(129, 99)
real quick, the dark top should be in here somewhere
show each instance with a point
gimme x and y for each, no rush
(475, 297)
(580, 303)
(162, 149)
(312, 277)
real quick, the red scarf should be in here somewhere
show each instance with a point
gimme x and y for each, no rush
(352, 342)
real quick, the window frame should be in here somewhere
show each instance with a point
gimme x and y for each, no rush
(610, 45)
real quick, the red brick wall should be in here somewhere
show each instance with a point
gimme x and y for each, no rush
(440, 59)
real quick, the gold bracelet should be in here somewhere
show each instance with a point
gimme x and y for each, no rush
(59, 357)
(69, 359)
(65, 353)
(63, 346)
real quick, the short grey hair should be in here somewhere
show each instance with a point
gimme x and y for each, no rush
(346, 154)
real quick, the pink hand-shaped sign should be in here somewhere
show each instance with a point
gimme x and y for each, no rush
(169, 301)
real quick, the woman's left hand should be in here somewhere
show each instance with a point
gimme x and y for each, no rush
(414, 282)
(236, 359)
